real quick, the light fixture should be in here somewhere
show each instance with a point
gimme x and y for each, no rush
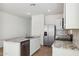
(33, 4)
(28, 13)
(49, 10)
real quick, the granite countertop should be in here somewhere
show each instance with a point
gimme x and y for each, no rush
(64, 44)
(20, 39)
(17, 39)
(33, 37)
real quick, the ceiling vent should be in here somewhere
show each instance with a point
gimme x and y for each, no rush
(33, 4)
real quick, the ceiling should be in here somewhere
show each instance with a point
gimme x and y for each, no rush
(26, 10)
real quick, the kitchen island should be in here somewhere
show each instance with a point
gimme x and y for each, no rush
(64, 48)
(21, 46)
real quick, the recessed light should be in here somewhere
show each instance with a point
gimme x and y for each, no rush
(49, 10)
(28, 13)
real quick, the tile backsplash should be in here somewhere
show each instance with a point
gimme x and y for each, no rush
(76, 37)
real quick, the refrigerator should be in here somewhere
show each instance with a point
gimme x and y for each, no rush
(49, 35)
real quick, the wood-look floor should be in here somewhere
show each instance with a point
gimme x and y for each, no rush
(1, 51)
(43, 51)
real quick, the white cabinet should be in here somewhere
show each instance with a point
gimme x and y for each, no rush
(37, 26)
(64, 52)
(71, 15)
(34, 45)
(11, 48)
(14, 48)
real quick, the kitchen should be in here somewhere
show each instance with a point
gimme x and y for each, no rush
(26, 31)
(18, 26)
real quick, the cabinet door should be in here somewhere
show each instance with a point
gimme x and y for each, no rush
(34, 45)
(72, 15)
(25, 45)
(11, 48)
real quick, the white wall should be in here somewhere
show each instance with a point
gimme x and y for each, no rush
(13, 26)
(54, 19)
(37, 25)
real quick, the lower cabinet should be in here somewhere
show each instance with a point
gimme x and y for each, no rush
(34, 45)
(11, 48)
(29, 47)
(23, 48)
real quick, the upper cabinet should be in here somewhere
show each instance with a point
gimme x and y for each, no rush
(71, 16)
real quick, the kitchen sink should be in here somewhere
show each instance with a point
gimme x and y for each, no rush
(29, 37)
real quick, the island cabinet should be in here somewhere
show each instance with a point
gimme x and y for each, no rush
(21, 47)
(34, 45)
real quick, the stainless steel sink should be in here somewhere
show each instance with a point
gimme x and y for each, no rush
(29, 37)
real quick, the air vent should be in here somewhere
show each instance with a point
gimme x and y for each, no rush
(33, 4)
